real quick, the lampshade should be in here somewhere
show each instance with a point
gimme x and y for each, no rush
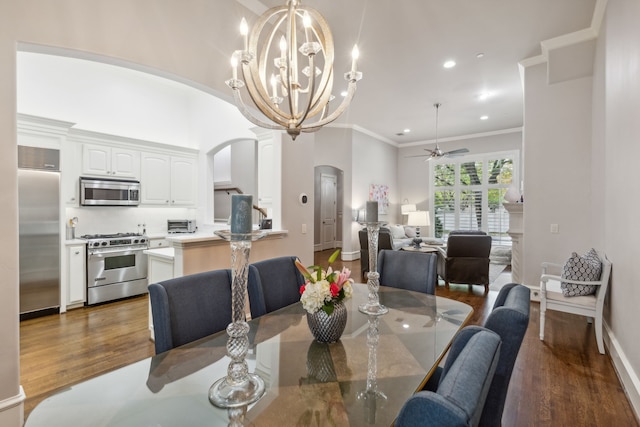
(405, 209)
(419, 219)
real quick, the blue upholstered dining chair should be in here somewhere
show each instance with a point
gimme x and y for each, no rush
(509, 319)
(463, 388)
(191, 307)
(273, 283)
(413, 271)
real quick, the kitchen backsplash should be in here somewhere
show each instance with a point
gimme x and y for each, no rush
(103, 220)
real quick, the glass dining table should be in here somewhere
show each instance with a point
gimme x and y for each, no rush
(363, 379)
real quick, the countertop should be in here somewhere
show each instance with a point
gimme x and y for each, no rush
(166, 253)
(206, 236)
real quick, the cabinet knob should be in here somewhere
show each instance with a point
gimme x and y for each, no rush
(77, 252)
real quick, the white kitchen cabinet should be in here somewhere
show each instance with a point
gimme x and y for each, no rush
(114, 162)
(158, 243)
(76, 275)
(168, 180)
(160, 265)
(183, 181)
(155, 180)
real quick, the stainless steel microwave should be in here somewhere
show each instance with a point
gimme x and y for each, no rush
(109, 192)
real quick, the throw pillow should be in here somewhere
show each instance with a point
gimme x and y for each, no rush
(397, 232)
(585, 268)
(410, 232)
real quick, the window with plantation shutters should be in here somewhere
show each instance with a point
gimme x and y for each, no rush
(468, 192)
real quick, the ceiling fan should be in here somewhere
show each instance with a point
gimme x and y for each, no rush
(437, 152)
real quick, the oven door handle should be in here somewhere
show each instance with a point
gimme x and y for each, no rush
(101, 253)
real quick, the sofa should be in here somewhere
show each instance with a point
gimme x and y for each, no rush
(390, 237)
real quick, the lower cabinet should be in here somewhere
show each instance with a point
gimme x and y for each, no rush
(160, 265)
(76, 293)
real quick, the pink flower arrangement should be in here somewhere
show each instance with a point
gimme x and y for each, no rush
(323, 288)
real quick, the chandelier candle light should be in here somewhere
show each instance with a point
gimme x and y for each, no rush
(239, 387)
(289, 82)
(373, 306)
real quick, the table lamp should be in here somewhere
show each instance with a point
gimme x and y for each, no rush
(418, 219)
(406, 208)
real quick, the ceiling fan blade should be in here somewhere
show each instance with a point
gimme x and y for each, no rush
(456, 152)
(420, 155)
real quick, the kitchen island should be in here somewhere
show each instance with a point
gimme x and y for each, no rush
(204, 251)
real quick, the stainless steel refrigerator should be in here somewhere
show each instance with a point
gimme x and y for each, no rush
(39, 218)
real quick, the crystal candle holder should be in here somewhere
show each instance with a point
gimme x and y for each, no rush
(239, 388)
(373, 306)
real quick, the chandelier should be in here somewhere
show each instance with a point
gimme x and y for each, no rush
(289, 82)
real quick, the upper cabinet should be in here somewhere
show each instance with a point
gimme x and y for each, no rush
(114, 162)
(168, 180)
(183, 181)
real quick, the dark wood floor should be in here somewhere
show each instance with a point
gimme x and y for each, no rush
(562, 381)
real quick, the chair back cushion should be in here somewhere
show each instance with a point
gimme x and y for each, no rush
(463, 389)
(468, 245)
(413, 271)
(191, 307)
(273, 284)
(509, 319)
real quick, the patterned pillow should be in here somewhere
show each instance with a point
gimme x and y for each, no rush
(585, 268)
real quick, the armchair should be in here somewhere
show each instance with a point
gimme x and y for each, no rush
(466, 258)
(552, 298)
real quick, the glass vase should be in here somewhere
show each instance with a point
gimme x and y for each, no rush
(328, 328)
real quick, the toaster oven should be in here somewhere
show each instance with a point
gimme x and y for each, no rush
(181, 226)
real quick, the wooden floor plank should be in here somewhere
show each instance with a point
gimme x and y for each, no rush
(562, 381)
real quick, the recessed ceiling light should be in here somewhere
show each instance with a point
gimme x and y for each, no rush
(484, 117)
(485, 95)
(406, 130)
(479, 55)
(449, 64)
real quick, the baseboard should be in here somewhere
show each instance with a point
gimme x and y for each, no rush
(12, 410)
(317, 248)
(350, 256)
(624, 369)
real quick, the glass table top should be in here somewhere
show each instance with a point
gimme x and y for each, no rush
(363, 379)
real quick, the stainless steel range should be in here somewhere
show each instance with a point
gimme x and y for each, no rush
(116, 266)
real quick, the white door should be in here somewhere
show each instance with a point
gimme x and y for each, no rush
(328, 211)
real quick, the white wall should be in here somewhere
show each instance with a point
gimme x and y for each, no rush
(621, 153)
(373, 162)
(557, 181)
(297, 160)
